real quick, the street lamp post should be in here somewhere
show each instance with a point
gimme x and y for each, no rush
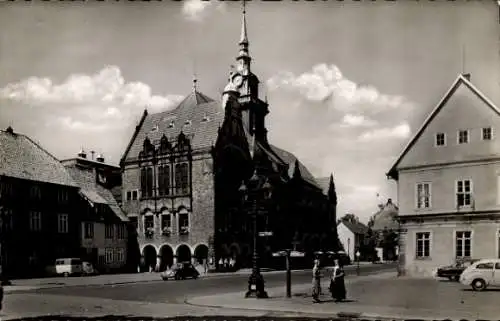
(255, 191)
(357, 259)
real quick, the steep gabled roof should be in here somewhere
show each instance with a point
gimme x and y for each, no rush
(94, 193)
(23, 158)
(461, 80)
(291, 159)
(355, 227)
(386, 217)
(198, 116)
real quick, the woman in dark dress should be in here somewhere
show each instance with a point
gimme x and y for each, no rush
(337, 283)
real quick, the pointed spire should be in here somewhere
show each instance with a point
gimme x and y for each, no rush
(243, 36)
(296, 170)
(195, 82)
(332, 193)
(243, 52)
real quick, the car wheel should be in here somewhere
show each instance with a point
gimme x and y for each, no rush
(165, 279)
(450, 278)
(478, 285)
(65, 274)
(195, 276)
(177, 277)
(456, 278)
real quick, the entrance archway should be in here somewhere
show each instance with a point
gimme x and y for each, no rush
(167, 257)
(183, 253)
(149, 254)
(201, 253)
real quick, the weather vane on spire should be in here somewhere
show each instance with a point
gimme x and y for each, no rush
(244, 6)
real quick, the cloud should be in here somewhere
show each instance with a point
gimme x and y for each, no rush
(196, 10)
(357, 121)
(333, 124)
(400, 131)
(106, 87)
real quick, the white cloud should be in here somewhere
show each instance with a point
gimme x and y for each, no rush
(196, 10)
(106, 87)
(399, 131)
(357, 121)
(335, 125)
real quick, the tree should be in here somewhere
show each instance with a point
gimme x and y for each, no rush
(348, 218)
(367, 248)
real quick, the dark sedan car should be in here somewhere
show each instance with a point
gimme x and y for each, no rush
(180, 271)
(452, 272)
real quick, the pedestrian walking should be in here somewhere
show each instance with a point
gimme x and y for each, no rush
(337, 282)
(316, 290)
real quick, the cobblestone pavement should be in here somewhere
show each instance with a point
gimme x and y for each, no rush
(376, 296)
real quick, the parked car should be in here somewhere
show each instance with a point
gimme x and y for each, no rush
(66, 267)
(180, 271)
(452, 272)
(88, 268)
(482, 274)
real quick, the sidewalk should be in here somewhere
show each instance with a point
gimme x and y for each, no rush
(105, 279)
(380, 296)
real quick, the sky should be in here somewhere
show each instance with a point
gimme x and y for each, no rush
(348, 82)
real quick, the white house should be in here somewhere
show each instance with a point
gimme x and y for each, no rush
(351, 235)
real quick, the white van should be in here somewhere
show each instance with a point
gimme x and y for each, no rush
(482, 274)
(68, 266)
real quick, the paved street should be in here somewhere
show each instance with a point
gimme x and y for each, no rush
(382, 295)
(160, 298)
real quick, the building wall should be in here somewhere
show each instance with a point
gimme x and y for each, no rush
(200, 207)
(485, 177)
(484, 244)
(101, 243)
(464, 110)
(347, 238)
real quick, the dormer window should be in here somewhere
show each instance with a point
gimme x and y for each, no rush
(171, 124)
(155, 128)
(187, 122)
(205, 118)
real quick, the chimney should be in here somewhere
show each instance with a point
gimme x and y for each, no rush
(92, 152)
(10, 130)
(389, 201)
(82, 154)
(466, 76)
(100, 158)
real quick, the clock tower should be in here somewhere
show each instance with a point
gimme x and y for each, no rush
(253, 109)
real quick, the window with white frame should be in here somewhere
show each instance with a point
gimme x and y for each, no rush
(35, 221)
(109, 231)
(463, 244)
(423, 193)
(62, 223)
(463, 136)
(89, 230)
(440, 139)
(120, 231)
(464, 193)
(487, 133)
(423, 246)
(119, 255)
(109, 255)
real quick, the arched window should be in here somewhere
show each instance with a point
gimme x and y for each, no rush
(164, 180)
(182, 178)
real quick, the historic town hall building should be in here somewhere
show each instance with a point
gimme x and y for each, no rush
(183, 169)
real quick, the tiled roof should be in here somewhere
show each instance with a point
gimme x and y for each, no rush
(22, 158)
(355, 227)
(92, 191)
(290, 159)
(386, 217)
(198, 116)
